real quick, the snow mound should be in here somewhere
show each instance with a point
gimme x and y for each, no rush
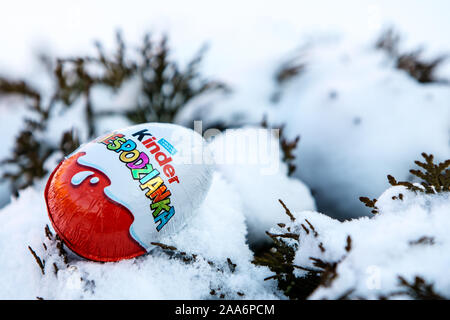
(408, 238)
(250, 160)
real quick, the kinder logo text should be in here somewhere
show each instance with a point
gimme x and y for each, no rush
(141, 169)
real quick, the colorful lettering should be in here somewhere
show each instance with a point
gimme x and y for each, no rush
(141, 169)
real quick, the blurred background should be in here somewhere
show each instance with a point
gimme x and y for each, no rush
(363, 84)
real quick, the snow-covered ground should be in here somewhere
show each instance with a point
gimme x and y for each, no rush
(408, 238)
(359, 119)
(214, 238)
(217, 233)
(391, 244)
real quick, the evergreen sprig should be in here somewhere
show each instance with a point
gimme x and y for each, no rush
(288, 147)
(286, 72)
(419, 289)
(435, 179)
(280, 260)
(424, 71)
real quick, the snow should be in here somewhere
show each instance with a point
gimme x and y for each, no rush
(217, 232)
(359, 119)
(250, 160)
(383, 247)
(378, 121)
